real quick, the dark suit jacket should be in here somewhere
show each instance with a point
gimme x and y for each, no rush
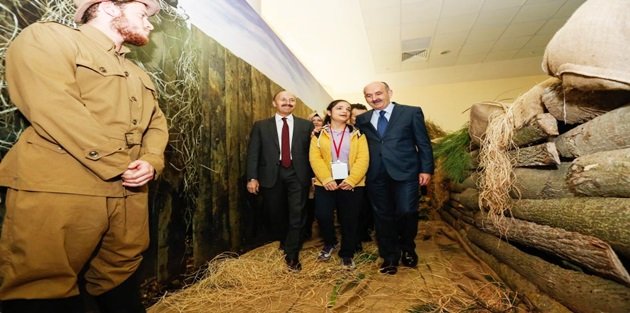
(263, 152)
(405, 149)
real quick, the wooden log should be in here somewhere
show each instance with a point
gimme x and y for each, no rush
(449, 218)
(469, 182)
(529, 104)
(588, 252)
(604, 218)
(469, 198)
(574, 106)
(462, 215)
(577, 291)
(541, 183)
(530, 183)
(519, 283)
(610, 131)
(601, 174)
(542, 126)
(539, 155)
(454, 203)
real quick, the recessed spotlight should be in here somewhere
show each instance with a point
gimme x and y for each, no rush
(445, 52)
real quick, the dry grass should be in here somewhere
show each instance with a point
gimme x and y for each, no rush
(446, 280)
(496, 179)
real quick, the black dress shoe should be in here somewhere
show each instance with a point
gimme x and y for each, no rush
(388, 268)
(409, 258)
(294, 265)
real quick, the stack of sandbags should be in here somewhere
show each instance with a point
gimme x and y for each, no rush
(590, 52)
(562, 236)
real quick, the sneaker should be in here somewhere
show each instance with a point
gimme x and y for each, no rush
(326, 253)
(347, 263)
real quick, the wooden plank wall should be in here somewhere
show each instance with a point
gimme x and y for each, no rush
(233, 95)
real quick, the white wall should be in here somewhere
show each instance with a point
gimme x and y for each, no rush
(446, 104)
(238, 27)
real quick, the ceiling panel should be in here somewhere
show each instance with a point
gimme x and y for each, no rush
(382, 17)
(418, 29)
(458, 7)
(487, 39)
(538, 11)
(500, 55)
(471, 30)
(525, 28)
(476, 48)
(457, 23)
(484, 33)
(551, 26)
(568, 8)
(492, 16)
(511, 43)
(470, 59)
(500, 4)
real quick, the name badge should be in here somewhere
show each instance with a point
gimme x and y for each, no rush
(339, 170)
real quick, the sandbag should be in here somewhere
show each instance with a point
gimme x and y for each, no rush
(524, 108)
(480, 113)
(575, 106)
(590, 52)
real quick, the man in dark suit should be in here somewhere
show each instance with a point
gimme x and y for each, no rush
(401, 160)
(278, 168)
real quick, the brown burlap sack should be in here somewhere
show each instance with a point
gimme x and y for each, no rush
(480, 114)
(524, 108)
(590, 52)
(575, 106)
(530, 104)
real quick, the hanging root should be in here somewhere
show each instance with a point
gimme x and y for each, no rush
(497, 177)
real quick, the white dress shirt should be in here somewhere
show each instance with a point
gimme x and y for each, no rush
(377, 113)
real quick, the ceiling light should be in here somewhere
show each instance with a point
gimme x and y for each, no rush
(416, 49)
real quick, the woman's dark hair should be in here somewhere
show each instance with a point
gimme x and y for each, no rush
(330, 107)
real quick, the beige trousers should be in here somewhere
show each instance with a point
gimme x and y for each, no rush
(48, 238)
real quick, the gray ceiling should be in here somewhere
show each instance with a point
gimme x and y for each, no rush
(458, 32)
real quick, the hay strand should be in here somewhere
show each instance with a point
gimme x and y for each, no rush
(496, 179)
(446, 280)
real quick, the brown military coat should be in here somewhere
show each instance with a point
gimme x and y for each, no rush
(91, 110)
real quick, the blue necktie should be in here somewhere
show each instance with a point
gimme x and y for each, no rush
(381, 125)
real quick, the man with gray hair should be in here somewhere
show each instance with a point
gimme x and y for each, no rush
(77, 177)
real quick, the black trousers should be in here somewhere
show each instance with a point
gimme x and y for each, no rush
(366, 220)
(348, 204)
(395, 205)
(285, 210)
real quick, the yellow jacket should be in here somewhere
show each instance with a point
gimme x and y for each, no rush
(320, 156)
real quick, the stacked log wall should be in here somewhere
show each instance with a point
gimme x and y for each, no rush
(566, 230)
